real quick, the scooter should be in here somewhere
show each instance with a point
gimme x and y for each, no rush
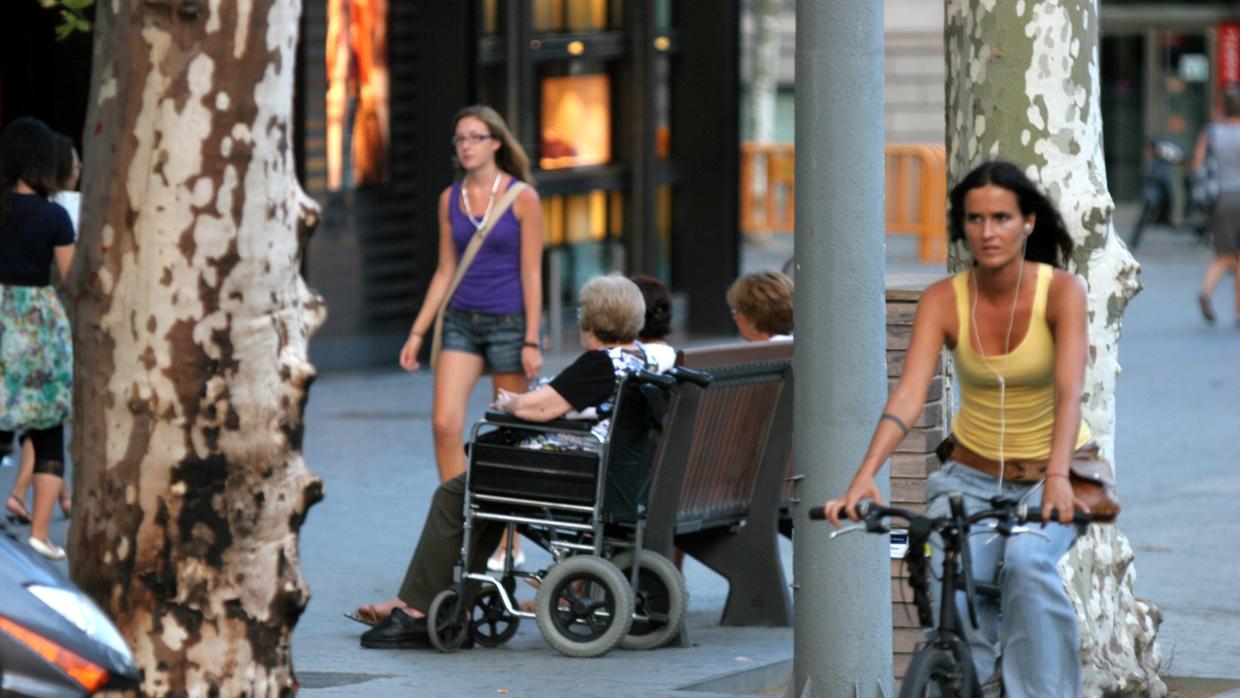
(54, 641)
(1158, 191)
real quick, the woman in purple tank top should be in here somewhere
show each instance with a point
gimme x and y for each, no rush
(492, 320)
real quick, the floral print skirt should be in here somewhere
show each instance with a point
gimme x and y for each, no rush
(36, 359)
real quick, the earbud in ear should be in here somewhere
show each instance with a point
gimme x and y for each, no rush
(1028, 229)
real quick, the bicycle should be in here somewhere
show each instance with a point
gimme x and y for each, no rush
(944, 660)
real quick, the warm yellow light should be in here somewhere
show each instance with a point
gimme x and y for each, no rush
(576, 48)
(576, 121)
(662, 43)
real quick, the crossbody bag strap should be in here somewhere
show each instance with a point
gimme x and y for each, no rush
(467, 258)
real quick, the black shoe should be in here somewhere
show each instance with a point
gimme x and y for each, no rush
(398, 631)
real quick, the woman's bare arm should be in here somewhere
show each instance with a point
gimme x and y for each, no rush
(529, 212)
(540, 405)
(934, 320)
(1066, 317)
(64, 259)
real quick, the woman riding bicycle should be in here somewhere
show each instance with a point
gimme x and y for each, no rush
(1016, 325)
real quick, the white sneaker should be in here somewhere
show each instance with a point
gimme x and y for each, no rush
(496, 562)
(47, 549)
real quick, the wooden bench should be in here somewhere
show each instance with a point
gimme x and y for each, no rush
(719, 475)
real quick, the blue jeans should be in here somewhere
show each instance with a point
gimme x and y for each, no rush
(1032, 629)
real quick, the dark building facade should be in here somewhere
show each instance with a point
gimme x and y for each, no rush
(629, 110)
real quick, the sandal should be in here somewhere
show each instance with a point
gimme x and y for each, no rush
(366, 615)
(17, 511)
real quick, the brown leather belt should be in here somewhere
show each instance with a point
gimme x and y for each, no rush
(1013, 470)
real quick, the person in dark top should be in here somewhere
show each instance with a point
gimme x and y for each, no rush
(611, 314)
(36, 355)
(68, 170)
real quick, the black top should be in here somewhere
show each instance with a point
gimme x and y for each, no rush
(587, 382)
(34, 228)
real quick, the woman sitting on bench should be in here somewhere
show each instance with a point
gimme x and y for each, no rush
(610, 316)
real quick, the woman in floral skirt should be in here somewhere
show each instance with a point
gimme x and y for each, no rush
(36, 354)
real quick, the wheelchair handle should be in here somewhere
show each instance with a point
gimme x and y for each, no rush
(659, 379)
(689, 375)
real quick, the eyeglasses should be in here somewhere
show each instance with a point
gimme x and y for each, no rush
(472, 139)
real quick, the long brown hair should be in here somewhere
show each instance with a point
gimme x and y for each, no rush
(510, 157)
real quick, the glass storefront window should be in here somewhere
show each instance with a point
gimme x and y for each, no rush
(560, 16)
(490, 17)
(576, 121)
(570, 219)
(357, 94)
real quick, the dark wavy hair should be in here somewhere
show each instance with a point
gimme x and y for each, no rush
(1049, 242)
(27, 153)
(658, 307)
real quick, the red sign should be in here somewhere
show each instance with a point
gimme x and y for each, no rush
(1228, 54)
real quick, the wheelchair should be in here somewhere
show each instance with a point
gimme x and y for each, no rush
(586, 507)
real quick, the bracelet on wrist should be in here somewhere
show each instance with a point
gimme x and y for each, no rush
(1062, 475)
(532, 345)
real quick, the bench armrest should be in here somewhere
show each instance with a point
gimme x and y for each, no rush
(555, 424)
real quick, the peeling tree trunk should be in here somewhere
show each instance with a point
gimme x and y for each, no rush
(763, 86)
(1022, 84)
(191, 326)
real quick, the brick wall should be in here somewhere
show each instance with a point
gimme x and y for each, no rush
(914, 458)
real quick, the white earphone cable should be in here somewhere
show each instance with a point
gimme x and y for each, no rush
(1007, 348)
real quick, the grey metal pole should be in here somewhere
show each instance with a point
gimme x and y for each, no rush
(842, 588)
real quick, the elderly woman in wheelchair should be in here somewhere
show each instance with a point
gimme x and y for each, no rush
(576, 487)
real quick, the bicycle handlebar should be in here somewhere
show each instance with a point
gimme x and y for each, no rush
(868, 509)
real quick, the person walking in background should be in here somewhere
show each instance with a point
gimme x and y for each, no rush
(1016, 324)
(658, 321)
(36, 354)
(489, 307)
(761, 306)
(68, 170)
(1221, 141)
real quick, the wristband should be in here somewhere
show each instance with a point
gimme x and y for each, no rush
(1062, 475)
(532, 345)
(898, 422)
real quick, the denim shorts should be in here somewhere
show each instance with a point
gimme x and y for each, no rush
(497, 338)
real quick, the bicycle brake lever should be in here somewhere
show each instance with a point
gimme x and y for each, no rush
(847, 529)
(1017, 530)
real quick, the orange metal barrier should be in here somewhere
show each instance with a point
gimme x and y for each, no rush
(768, 174)
(916, 197)
(916, 193)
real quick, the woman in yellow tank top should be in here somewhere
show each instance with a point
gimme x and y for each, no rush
(1016, 325)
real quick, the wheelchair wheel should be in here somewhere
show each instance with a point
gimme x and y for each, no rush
(446, 622)
(659, 602)
(490, 624)
(584, 606)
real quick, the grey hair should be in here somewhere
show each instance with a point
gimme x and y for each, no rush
(612, 308)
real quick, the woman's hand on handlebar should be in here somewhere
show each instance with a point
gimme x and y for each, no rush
(861, 488)
(1058, 498)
